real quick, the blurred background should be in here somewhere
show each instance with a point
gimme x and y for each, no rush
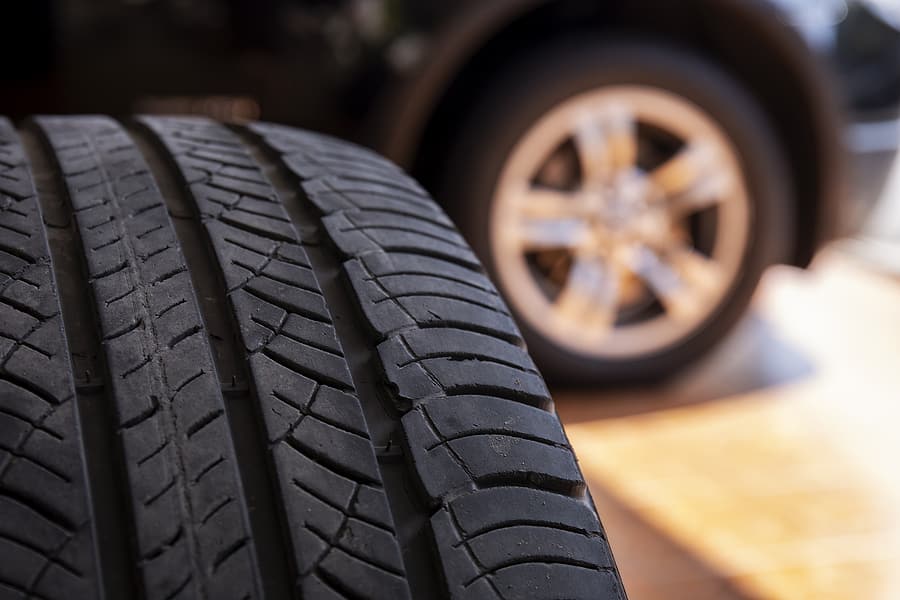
(692, 208)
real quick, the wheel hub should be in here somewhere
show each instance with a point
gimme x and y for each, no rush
(621, 214)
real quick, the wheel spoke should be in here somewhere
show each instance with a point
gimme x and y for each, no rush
(622, 135)
(681, 293)
(547, 203)
(593, 153)
(707, 193)
(606, 142)
(548, 234)
(694, 179)
(590, 295)
(697, 270)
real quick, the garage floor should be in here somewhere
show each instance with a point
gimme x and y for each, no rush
(770, 470)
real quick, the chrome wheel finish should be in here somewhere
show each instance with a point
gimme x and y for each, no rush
(620, 221)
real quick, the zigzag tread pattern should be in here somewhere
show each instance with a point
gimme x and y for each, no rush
(46, 542)
(339, 524)
(168, 405)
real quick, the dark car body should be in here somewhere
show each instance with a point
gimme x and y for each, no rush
(398, 75)
(860, 43)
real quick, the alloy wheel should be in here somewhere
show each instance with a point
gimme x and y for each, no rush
(620, 221)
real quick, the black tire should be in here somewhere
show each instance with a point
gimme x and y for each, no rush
(552, 74)
(258, 362)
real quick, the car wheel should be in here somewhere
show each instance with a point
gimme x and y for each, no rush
(627, 198)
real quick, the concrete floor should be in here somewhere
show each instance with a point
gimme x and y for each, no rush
(769, 470)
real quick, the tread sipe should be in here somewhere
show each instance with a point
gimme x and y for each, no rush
(256, 362)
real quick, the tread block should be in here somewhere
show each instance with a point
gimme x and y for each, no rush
(381, 264)
(344, 452)
(425, 304)
(471, 415)
(489, 508)
(361, 577)
(305, 358)
(283, 393)
(356, 232)
(331, 193)
(426, 362)
(481, 543)
(521, 543)
(548, 580)
(489, 453)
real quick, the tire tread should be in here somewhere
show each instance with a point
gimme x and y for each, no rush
(253, 361)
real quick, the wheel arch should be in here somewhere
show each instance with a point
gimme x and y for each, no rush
(746, 38)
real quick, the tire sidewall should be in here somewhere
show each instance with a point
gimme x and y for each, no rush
(549, 77)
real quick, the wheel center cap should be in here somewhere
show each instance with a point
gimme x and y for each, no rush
(615, 211)
(619, 204)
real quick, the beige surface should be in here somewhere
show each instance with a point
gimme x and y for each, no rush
(770, 471)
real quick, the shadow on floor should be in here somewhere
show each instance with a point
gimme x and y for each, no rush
(752, 358)
(653, 566)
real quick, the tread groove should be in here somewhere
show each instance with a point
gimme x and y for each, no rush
(198, 425)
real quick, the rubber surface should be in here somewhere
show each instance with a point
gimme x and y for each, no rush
(258, 362)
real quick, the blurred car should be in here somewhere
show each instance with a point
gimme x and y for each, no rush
(626, 170)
